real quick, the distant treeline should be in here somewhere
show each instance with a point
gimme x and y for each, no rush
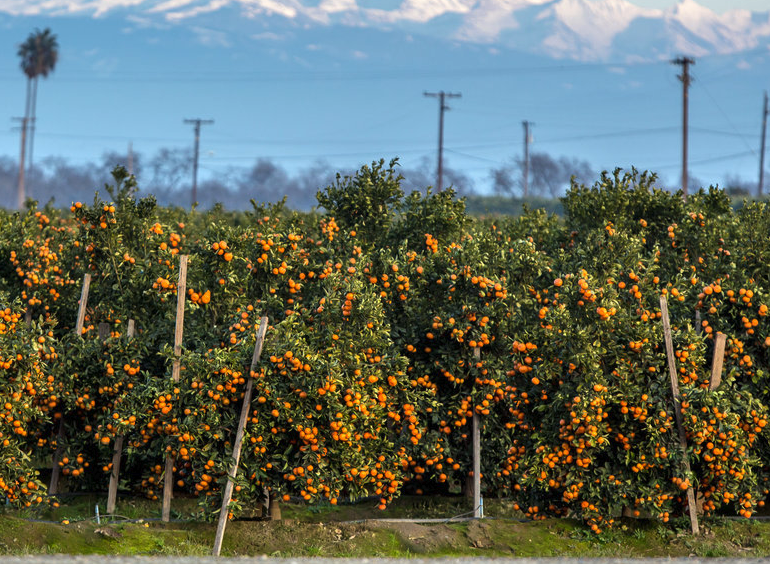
(167, 176)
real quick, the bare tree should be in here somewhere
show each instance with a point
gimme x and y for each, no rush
(548, 176)
(167, 169)
(423, 176)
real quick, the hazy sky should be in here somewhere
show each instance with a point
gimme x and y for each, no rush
(348, 95)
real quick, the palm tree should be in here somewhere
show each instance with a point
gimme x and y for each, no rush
(38, 55)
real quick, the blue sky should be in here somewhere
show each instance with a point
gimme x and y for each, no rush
(348, 95)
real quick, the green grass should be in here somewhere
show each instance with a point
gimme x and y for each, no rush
(348, 530)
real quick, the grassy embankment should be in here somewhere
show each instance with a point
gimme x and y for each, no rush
(349, 531)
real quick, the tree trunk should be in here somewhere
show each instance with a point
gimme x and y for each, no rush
(33, 110)
(275, 508)
(265, 503)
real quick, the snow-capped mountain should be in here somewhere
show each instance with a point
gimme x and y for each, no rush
(586, 30)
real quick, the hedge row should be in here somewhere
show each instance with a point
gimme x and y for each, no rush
(392, 319)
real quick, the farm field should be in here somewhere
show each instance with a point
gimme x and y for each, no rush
(393, 322)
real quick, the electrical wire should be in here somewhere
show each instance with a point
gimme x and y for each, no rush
(727, 118)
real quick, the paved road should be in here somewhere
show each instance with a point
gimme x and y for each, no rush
(101, 559)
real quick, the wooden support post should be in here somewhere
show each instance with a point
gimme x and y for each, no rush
(53, 488)
(275, 507)
(476, 440)
(698, 325)
(245, 408)
(112, 493)
(117, 453)
(717, 362)
(82, 304)
(181, 290)
(678, 411)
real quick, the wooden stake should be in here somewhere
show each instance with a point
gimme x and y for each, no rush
(112, 493)
(678, 412)
(117, 453)
(82, 304)
(181, 289)
(53, 488)
(717, 362)
(275, 507)
(476, 440)
(245, 408)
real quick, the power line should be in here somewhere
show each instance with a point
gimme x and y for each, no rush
(358, 141)
(611, 134)
(717, 132)
(474, 157)
(709, 160)
(315, 155)
(727, 118)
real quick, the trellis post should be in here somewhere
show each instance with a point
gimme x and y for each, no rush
(181, 289)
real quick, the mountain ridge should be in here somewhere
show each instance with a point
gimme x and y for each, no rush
(581, 30)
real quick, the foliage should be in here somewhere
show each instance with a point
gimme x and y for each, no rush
(395, 322)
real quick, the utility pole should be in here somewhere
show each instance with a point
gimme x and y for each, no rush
(197, 122)
(21, 195)
(685, 63)
(130, 158)
(526, 125)
(762, 150)
(441, 107)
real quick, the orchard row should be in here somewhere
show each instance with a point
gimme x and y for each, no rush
(392, 319)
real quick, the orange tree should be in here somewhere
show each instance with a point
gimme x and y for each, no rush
(591, 413)
(459, 306)
(365, 230)
(444, 288)
(193, 419)
(230, 269)
(334, 413)
(28, 396)
(103, 378)
(347, 398)
(737, 306)
(38, 262)
(592, 421)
